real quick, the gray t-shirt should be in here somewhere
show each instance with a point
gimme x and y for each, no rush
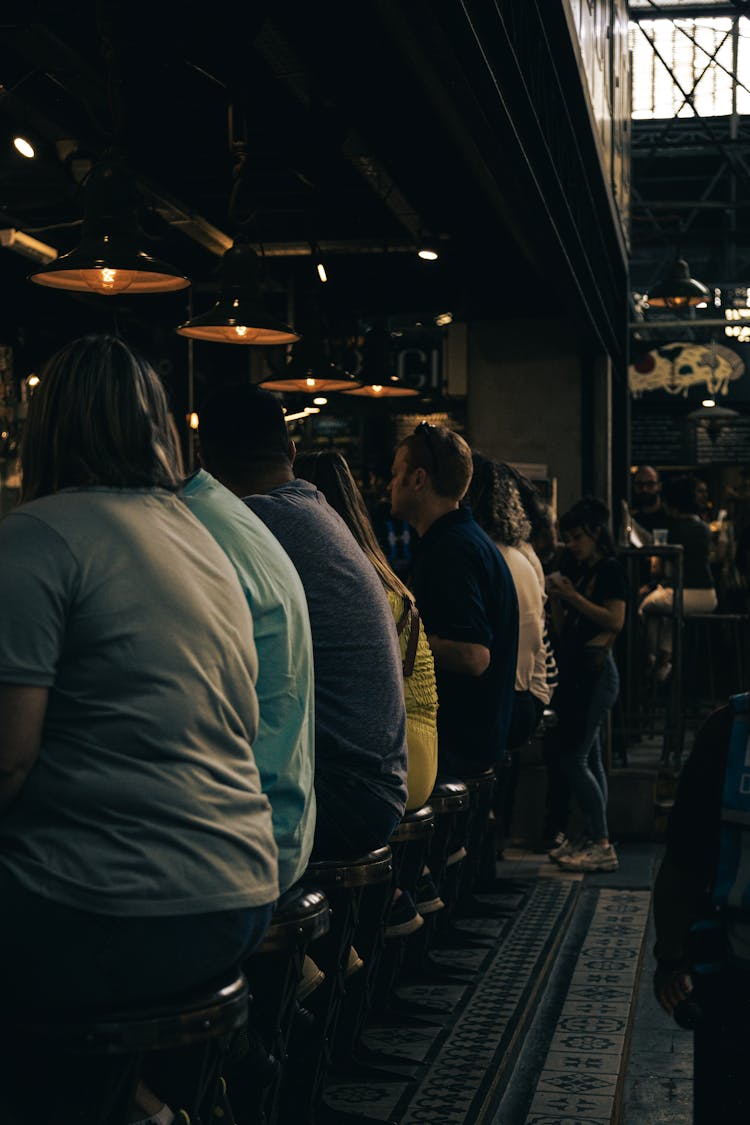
(360, 720)
(145, 798)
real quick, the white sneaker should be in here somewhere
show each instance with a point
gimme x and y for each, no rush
(568, 848)
(594, 857)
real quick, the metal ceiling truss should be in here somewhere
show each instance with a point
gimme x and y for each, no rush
(679, 153)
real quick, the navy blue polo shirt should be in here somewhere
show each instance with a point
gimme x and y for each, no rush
(464, 592)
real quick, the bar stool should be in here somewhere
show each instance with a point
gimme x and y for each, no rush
(357, 891)
(274, 971)
(409, 844)
(479, 827)
(449, 802)
(98, 1059)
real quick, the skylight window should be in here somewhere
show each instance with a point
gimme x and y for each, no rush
(687, 47)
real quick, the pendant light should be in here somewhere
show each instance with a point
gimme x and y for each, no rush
(304, 375)
(110, 258)
(239, 317)
(678, 290)
(309, 370)
(377, 377)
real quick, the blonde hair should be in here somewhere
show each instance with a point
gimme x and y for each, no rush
(98, 417)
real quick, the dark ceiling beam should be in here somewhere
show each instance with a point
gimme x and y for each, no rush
(67, 69)
(280, 56)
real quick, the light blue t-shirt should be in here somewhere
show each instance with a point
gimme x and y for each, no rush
(284, 744)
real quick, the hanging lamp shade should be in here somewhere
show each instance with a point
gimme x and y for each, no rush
(239, 317)
(391, 387)
(110, 258)
(377, 378)
(678, 290)
(310, 375)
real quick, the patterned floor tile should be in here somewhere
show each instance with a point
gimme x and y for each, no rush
(593, 1062)
(573, 1105)
(579, 1079)
(461, 1075)
(578, 1082)
(376, 1099)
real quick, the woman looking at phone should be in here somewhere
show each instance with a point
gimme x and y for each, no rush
(588, 611)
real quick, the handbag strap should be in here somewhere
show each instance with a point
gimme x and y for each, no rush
(410, 614)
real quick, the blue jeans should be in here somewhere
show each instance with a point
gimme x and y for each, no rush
(351, 820)
(597, 685)
(57, 958)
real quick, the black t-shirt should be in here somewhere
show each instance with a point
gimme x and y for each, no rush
(603, 582)
(650, 520)
(695, 537)
(464, 592)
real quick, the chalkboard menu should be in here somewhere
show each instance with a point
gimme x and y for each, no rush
(661, 439)
(731, 444)
(666, 439)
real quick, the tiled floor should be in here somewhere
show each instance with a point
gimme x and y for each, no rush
(579, 945)
(579, 1078)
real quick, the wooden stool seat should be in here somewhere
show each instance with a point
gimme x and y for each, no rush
(366, 870)
(302, 914)
(448, 797)
(414, 825)
(212, 1012)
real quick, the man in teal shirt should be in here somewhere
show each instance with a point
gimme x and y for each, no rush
(284, 746)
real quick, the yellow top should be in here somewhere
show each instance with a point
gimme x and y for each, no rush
(420, 697)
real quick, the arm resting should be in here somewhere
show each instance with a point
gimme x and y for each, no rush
(459, 656)
(22, 711)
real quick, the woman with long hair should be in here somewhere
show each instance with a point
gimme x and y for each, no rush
(588, 611)
(137, 857)
(330, 473)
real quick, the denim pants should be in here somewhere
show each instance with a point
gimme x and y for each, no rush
(351, 819)
(597, 684)
(59, 958)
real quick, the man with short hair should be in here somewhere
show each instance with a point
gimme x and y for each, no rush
(465, 595)
(284, 745)
(360, 719)
(648, 509)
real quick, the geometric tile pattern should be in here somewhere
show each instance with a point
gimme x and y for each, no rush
(461, 1059)
(578, 1082)
(460, 1077)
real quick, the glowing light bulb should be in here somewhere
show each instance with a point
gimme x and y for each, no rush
(310, 382)
(376, 388)
(240, 330)
(320, 401)
(322, 272)
(108, 280)
(193, 420)
(428, 255)
(708, 402)
(33, 381)
(24, 147)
